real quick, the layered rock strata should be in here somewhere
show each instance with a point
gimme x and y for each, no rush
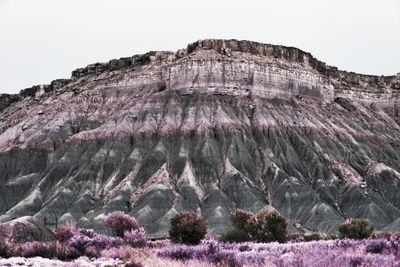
(223, 124)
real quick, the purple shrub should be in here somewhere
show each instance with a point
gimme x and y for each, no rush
(76, 242)
(244, 247)
(119, 222)
(356, 261)
(136, 238)
(82, 245)
(5, 250)
(182, 253)
(346, 252)
(100, 241)
(80, 242)
(344, 243)
(393, 245)
(375, 246)
(227, 257)
(213, 247)
(92, 252)
(65, 252)
(39, 249)
(65, 232)
(87, 232)
(187, 228)
(116, 242)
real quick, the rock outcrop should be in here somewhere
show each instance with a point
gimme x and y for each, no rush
(25, 229)
(220, 125)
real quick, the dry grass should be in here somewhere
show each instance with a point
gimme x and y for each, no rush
(148, 257)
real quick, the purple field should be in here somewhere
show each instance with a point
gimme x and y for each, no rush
(210, 252)
(346, 252)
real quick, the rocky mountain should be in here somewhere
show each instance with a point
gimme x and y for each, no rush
(220, 125)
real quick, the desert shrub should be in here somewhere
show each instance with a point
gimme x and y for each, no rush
(178, 253)
(39, 249)
(245, 221)
(136, 238)
(84, 245)
(355, 229)
(312, 237)
(385, 235)
(92, 252)
(344, 252)
(266, 226)
(87, 232)
(101, 241)
(235, 235)
(295, 238)
(80, 243)
(241, 218)
(375, 246)
(5, 250)
(271, 226)
(65, 231)
(187, 228)
(119, 222)
(65, 252)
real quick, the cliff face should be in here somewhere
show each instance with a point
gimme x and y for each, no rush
(223, 124)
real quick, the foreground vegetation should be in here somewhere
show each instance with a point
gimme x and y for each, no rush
(256, 240)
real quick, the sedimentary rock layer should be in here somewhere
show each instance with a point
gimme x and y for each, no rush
(223, 124)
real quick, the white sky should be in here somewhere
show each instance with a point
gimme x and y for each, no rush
(42, 40)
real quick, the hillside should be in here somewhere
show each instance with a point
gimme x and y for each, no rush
(220, 125)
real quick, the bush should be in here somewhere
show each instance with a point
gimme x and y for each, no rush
(39, 249)
(295, 238)
(241, 218)
(87, 232)
(136, 238)
(355, 229)
(65, 232)
(235, 235)
(119, 222)
(312, 237)
(385, 235)
(266, 226)
(271, 226)
(64, 252)
(245, 221)
(5, 250)
(375, 246)
(80, 242)
(187, 228)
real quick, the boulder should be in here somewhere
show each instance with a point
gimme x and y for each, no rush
(24, 229)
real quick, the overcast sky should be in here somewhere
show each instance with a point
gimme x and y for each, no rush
(42, 40)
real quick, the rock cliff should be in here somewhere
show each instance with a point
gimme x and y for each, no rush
(220, 125)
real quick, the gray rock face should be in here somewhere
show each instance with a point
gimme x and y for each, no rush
(25, 229)
(223, 124)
